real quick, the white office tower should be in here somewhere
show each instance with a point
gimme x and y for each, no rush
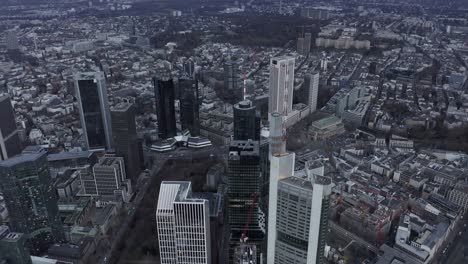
(312, 86)
(281, 167)
(183, 225)
(281, 85)
(111, 179)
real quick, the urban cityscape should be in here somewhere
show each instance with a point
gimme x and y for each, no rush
(233, 132)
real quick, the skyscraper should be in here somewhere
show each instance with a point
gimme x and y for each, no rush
(189, 106)
(125, 138)
(246, 121)
(30, 198)
(91, 92)
(189, 68)
(183, 223)
(281, 85)
(10, 144)
(231, 76)
(11, 41)
(311, 82)
(302, 220)
(165, 110)
(244, 189)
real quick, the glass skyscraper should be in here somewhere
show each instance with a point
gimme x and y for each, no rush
(189, 106)
(31, 199)
(165, 110)
(93, 104)
(10, 144)
(246, 121)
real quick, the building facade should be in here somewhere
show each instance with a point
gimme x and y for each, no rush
(281, 85)
(246, 121)
(231, 76)
(10, 144)
(311, 87)
(93, 104)
(13, 247)
(31, 199)
(183, 224)
(125, 138)
(165, 109)
(189, 105)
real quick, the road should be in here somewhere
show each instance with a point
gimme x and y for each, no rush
(457, 249)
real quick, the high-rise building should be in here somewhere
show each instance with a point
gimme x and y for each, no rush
(307, 43)
(183, 223)
(13, 248)
(244, 189)
(189, 68)
(301, 234)
(311, 82)
(93, 104)
(231, 76)
(165, 109)
(189, 105)
(281, 85)
(31, 199)
(246, 121)
(10, 144)
(110, 178)
(125, 138)
(300, 45)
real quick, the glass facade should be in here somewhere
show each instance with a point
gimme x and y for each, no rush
(189, 106)
(31, 199)
(92, 114)
(165, 110)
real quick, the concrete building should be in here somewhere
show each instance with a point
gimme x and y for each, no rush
(111, 179)
(10, 144)
(30, 198)
(183, 225)
(281, 85)
(326, 127)
(125, 138)
(93, 104)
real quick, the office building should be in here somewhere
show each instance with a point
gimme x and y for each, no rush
(189, 105)
(110, 179)
(13, 248)
(300, 45)
(10, 144)
(303, 44)
(246, 121)
(30, 198)
(231, 76)
(281, 85)
(125, 138)
(183, 224)
(244, 189)
(301, 234)
(91, 92)
(165, 109)
(281, 167)
(311, 82)
(189, 68)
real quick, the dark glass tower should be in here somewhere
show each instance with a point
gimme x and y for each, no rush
(125, 138)
(244, 189)
(10, 144)
(231, 76)
(31, 199)
(189, 107)
(165, 96)
(246, 121)
(93, 104)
